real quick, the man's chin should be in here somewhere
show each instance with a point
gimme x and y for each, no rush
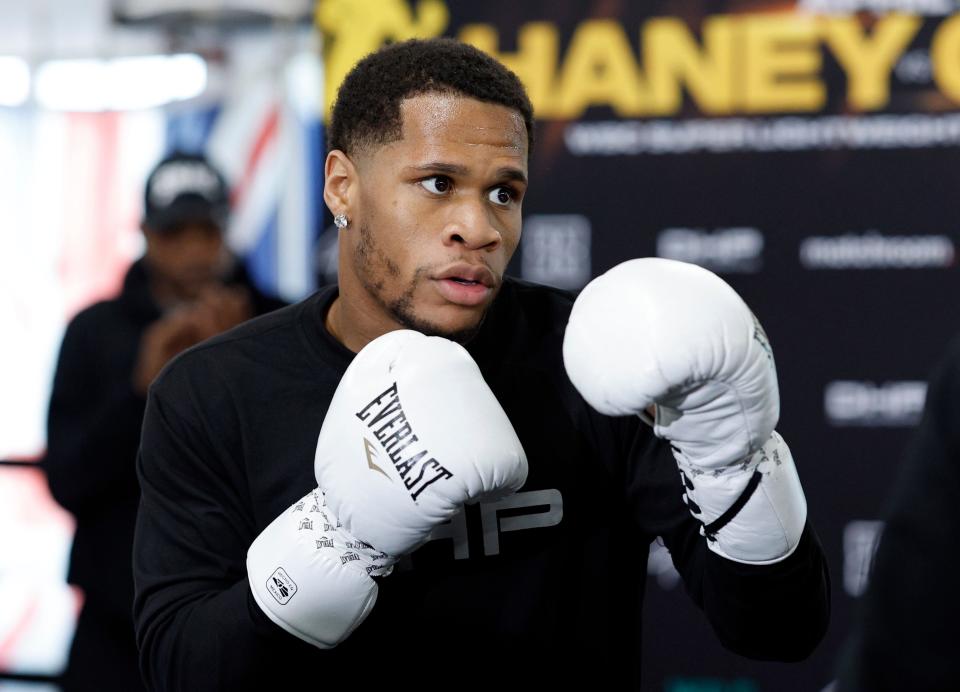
(459, 329)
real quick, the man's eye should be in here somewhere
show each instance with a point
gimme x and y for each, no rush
(437, 184)
(501, 196)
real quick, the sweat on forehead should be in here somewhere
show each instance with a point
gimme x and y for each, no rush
(367, 112)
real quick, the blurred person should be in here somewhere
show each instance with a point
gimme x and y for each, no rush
(904, 635)
(186, 288)
(303, 475)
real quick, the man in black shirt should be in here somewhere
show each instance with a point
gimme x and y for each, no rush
(183, 290)
(426, 173)
(904, 636)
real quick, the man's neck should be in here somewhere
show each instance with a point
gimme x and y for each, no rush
(355, 327)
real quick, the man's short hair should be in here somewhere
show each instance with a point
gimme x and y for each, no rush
(367, 111)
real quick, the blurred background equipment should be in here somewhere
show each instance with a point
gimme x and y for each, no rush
(803, 150)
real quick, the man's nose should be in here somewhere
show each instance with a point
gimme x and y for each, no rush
(471, 225)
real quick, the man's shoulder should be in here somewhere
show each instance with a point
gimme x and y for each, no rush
(266, 327)
(245, 353)
(274, 330)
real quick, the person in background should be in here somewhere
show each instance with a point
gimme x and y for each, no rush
(186, 288)
(904, 637)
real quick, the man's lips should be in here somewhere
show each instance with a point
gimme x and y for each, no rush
(470, 273)
(466, 284)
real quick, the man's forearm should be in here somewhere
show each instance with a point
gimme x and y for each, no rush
(218, 641)
(777, 612)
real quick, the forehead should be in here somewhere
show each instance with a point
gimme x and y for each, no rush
(438, 121)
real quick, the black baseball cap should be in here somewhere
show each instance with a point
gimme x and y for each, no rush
(182, 189)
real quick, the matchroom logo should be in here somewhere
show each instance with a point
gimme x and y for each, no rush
(890, 404)
(875, 251)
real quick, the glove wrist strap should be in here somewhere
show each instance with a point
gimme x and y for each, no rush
(711, 529)
(752, 511)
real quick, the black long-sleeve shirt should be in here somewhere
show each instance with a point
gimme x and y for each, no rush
(547, 586)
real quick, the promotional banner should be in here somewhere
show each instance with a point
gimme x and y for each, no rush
(804, 151)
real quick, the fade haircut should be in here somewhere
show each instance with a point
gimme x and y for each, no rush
(367, 111)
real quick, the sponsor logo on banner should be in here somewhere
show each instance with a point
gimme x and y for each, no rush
(556, 250)
(858, 403)
(722, 250)
(873, 250)
(601, 65)
(729, 135)
(860, 540)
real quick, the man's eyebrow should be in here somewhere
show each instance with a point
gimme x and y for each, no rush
(510, 173)
(504, 173)
(441, 167)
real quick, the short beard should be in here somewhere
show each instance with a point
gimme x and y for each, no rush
(401, 309)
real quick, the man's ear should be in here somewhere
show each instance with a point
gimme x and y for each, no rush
(340, 187)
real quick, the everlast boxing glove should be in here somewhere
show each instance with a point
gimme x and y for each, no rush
(674, 335)
(412, 433)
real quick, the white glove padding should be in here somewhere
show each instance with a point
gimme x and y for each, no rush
(412, 433)
(753, 512)
(657, 331)
(417, 434)
(312, 578)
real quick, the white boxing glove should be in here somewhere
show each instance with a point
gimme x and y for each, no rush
(310, 576)
(659, 332)
(412, 433)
